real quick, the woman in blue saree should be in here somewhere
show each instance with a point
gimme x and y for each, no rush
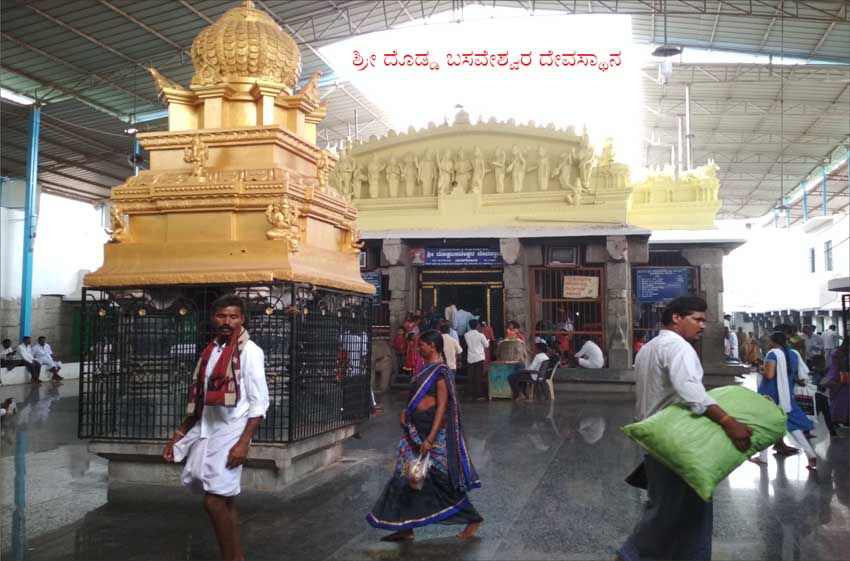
(430, 424)
(780, 372)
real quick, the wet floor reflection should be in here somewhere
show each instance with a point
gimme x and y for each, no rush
(553, 489)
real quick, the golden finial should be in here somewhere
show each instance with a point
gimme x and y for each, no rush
(249, 4)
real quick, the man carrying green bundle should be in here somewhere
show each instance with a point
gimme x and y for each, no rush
(676, 522)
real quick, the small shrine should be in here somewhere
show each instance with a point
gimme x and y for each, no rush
(236, 200)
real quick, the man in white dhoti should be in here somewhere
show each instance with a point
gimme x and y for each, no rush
(228, 399)
(44, 354)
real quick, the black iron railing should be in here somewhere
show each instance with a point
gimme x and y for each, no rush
(139, 347)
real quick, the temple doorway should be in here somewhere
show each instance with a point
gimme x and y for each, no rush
(472, 290)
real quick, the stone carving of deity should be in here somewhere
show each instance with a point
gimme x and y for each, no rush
(583, 161)
(357, 179)
(463, 171)
(393, 176)
(563, 171)
(543, 169)
(479, 170)
(517, 169)
(499, 163)
(374, 170)
(445, 168)
(345, 171)
(410, 173)
(428, 173)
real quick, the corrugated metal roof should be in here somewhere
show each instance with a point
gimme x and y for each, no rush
(88, 61)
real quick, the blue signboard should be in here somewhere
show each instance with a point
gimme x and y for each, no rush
(456, 256)
(374, 278)
(661, 284)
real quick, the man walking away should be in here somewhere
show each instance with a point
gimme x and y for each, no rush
(31, 364)
(451, 348)
(676, 522)
(476, 343)
(830, 343)
(228, 398)
(44, 354)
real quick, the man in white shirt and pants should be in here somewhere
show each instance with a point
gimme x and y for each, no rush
(226, 406)
(30, 363)
(676, 522)
(451, 347)
(44, 354)
(830, 343)
(476, 343)
(590, 355)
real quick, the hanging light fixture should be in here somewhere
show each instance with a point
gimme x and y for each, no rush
(666, 50)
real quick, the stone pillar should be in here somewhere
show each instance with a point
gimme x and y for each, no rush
(516, 286)
(710, 263)
(618, 303)
(401, 282)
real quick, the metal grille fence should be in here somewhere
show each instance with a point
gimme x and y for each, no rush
(139, 348)
(561, 321)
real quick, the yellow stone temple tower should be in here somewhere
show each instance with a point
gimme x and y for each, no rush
(237, 190)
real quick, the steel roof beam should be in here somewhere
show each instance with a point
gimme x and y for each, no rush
(88, 37)
(70, 93)
(79, 69)
(144, 26)
(59, 173)
(815, 122)
(62, 163)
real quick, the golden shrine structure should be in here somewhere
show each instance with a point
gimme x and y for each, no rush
(236, 200)
(237, 189)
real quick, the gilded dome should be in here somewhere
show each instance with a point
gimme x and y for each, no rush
(245, 43)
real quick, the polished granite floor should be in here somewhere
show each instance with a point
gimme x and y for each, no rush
(553, 489)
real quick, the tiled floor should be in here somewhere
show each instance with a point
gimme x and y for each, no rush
(553, 489)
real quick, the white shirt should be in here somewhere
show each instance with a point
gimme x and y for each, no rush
(461, 321)
(733, 344)
(538, 360)
(592, 353)
(451, 348)
(25, 352)
(668, 370)
(357, 347)
(253, 391)
(8, 354)
(449, 313)
(476, 342)
(830, 340)
(42, 352)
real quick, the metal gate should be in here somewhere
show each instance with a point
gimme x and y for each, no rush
(559, 320)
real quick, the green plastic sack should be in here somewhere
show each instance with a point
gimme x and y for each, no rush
(696, 448)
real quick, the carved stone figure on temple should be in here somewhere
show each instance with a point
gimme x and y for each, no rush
(499, 167)
(517, 169)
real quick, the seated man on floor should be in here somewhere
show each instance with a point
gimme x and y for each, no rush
(530, 374)
(590, 355)
(44, 354)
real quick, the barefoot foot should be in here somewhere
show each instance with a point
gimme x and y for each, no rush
(470, 530)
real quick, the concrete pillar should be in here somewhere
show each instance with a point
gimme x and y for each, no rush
(710, 263)
(618, 299)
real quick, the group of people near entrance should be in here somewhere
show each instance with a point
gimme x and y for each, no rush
(31, 357)
(813, 361)
(433, 472)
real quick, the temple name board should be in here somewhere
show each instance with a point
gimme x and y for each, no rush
(455, 256)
